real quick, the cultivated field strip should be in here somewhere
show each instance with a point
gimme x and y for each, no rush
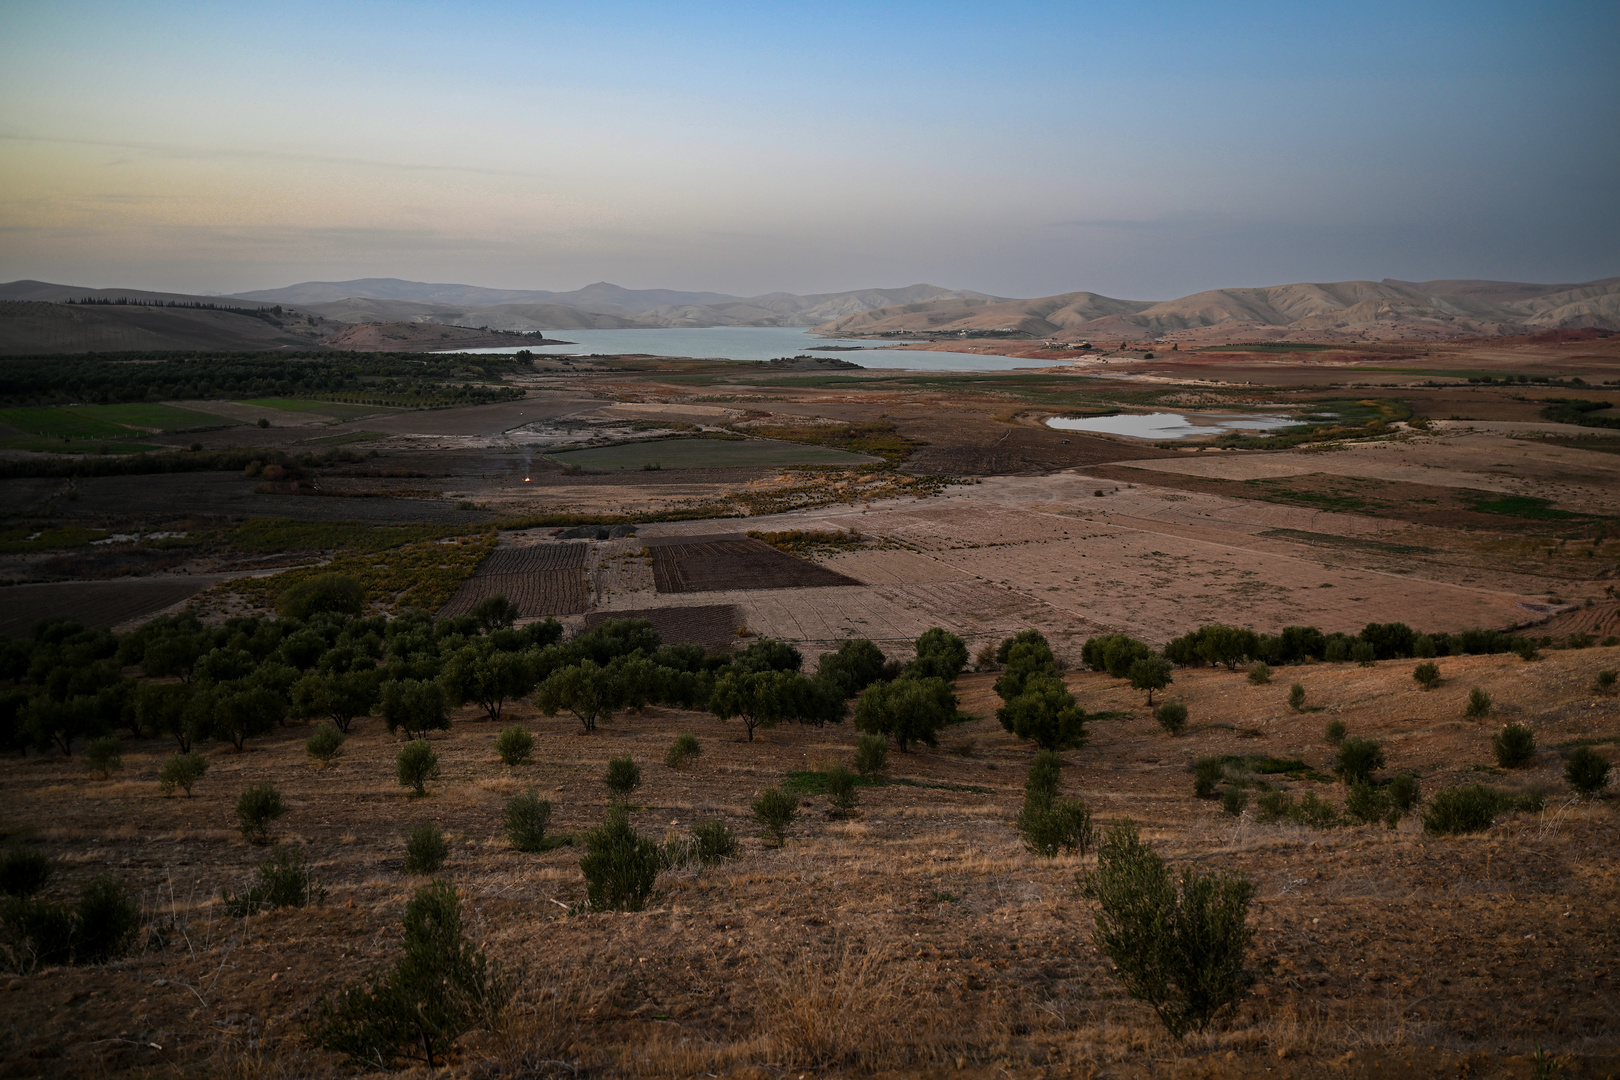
(94, 603)
(711, 625)
(717, 563)
(545, 579)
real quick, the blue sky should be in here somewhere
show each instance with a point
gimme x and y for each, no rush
(1144, 150)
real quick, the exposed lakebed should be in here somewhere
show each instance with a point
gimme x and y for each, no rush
(1170, 425)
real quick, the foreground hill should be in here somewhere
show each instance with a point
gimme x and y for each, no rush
(28, 327)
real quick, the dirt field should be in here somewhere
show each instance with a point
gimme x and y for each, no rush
(918, 938)
(711, 625)
(94, 603)
(542, 579)
(691, 563)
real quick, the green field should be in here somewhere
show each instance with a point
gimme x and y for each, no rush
(156, 416)
(40, 445)
(78, 423)
(706, 454)
(338, 410)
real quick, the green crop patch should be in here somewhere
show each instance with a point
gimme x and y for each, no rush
(705, 454)
(63, 424)
(13, 541)
(157, 416)
(1523, 506)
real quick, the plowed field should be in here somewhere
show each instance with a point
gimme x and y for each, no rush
(715, 563)
(712, 625)
(546, 579)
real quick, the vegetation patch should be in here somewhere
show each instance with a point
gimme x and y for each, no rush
(702, 454)
(1523, 506)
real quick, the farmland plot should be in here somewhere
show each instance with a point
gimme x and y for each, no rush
(545, 579)
(687, 564)
(711, 625)
(95, 604)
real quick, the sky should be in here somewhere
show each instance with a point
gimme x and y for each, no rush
(1143, 150)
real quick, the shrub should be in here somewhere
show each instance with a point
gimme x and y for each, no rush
(24, 871)
(425, 850)
(37, 934)
(683, 749)
(1358, 758)
(258, 806)
(1178, 944)
(323, 592)
(416, 706)
(623, 776)
(1335, 732)
(1457, 810)
(1233, 800)
(416, 765)
(1367, 803)
(713, 842)
(1046, 822)
(1423, 647)
(514, 745)
(871, 755)
(1363, 653)
(1479, 703)
(1587, 771)
(1046, 713)
(775, 810)
(1296, 697)
(1515, 745)
(856, 665)
(1309, 811)
(1260, 674)
(619, 865)
(181, 771)
(326, 744)
(105, 922)
(105, 755)
(527, 816)
(1172, 716)
(441, 989)
(1427, 675)
(284, 880)
(907, 709)
(841, 792)
(1207, 772)
(1605, 682)
(1527, 650)
(1403, 792)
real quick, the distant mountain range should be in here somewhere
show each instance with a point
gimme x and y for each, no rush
(315, 311)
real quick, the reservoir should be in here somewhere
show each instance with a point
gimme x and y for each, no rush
(1169, 425)
(758, 343)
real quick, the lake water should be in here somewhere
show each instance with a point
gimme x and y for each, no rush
(757, 343)
(1169, 425)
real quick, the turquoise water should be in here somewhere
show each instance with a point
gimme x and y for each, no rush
(1169, 425)
(758, 343)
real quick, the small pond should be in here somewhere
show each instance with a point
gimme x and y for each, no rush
(1169, 425)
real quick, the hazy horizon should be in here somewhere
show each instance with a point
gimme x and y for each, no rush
(1142, 151)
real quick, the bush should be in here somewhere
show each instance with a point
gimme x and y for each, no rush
(1310, 811)
(1296, 697)
(527, 816)
(1515, 745)
(514, 745)
(1172, 716)
(1179, 945)
(326, 744)
(323, 592)
(1207, 772)
(1605, 682)
(1367, 803)
(1527, 650)
(1046, 713)
(441, 989)
(1457, 810)
(37, 934)
(1479, 703)
(1233, 800)
(416, 765)
(1260, 674)
(24, 871)
(1427, 675)
(1046, 822)
(181, 771)
(683, 749)
(841, 794)
(775, 810)
(871, 755)
(713, 842)
(105, 755)
(425, 850)
(1358, 758)
(284, 881)
(1423, 647)
(106, 921)
(1335, 732)
(907, 709)
(623, 776)
(258, 806)
(1587, 771)
(1363, 653)
(1403, 792)
(619, 865)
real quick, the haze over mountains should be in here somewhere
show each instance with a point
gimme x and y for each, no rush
(35, 316)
